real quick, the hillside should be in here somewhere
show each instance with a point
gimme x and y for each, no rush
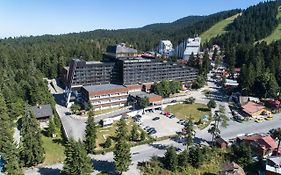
(276, 34)
(217, 29)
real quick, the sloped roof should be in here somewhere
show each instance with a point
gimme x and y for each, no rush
(231, 169)
(42, 111)
(252, 107)
(263, 140)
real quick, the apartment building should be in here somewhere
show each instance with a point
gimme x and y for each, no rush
(105, 96)
(191, 45)
(120, 69)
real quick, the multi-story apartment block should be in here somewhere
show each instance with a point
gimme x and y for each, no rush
(165, 48)
(184, 49)
(105, 96)
(116, 68)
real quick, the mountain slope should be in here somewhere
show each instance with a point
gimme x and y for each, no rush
(217, 29)
(276, 34)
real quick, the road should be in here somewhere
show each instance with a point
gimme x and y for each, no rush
(146, 151)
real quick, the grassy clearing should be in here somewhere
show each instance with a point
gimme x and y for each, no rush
(217, 29)
(276, 34)
(189, 111)
(104, 132)
(104, 111)
(54, 150)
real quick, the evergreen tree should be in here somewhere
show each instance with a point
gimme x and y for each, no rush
(190, 132)
(171, 159)
(134, 133)
(31, 149)
(7, 147)
(77, 161)
(91, 134)
(51, 128)
(122, 155)
(192, 61)
(143, 135)
(241, 153)
(108, 142)
(206, 63)
(183, 158)
(195, 156)
(212, 104)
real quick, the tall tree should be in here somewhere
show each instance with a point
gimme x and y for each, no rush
(76, 161)
(52, 127)
(91, 135)
(122, 155)
(196, 156)
(171, 159)
(31, 149)
(189, 133)
(134, 133)
(7, 147)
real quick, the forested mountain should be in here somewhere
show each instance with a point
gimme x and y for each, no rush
(260, 63)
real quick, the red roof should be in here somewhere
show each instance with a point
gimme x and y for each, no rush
(237, 70)
(265, 141)
(252, 107)
(274, 102)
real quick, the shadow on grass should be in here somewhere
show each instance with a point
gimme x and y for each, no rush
(203, 109)
(48, 171)
(104, 166)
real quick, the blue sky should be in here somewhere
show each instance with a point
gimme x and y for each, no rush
(37, 17)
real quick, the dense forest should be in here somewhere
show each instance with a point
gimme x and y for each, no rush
(24, 61)
(260, 63)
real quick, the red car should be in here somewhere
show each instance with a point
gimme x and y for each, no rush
(167, 114)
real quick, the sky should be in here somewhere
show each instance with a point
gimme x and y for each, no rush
(38, 17)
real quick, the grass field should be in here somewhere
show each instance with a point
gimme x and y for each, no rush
(54, 150)
(217, 29)
(104, 132)
(188, 111)
(104, 111)
(276, 34)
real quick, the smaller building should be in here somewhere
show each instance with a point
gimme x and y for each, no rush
(253, 109)
(165, 48)
(42, 112)
(221, 143)
(262, 144)
(231, 169)
(155, 101)
(273, 165)
(105, 96)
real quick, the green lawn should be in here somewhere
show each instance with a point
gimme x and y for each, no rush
(104, 111)
(276, 34)
(104, 132)
(54, 150)
(217, 29)
(189, 111)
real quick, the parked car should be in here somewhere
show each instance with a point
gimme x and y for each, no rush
(156, 118)
(259, 120)
(152, 132)
(146, 128)
(173, 101)
(180, 121)
(150, 129)
(171, 116)
(269, 118)
(67, 113)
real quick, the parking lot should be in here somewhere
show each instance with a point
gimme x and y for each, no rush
(164, 126)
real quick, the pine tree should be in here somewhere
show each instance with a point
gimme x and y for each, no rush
(77, 161)
(190, 132)
(195, 156)
(31, 149)
(134, 133)
(122, 155)
(171, 159)
(183, 158)
(51, 128)
(91, 135)
(7, 147)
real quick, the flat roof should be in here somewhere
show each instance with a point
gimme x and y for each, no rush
(102, 87)
(143, 94)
